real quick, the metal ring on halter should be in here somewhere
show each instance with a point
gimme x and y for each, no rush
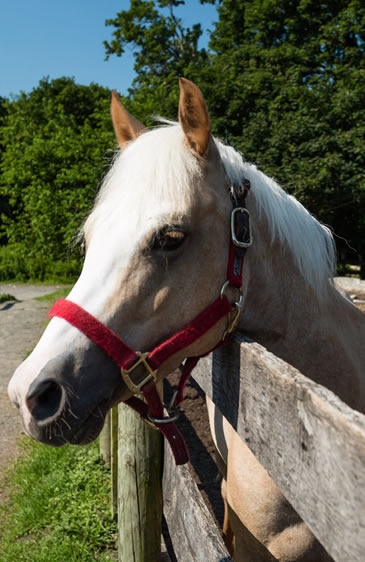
(228, 284)
(173, 415)
(151, 424)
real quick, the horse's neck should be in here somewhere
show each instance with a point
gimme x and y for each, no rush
(322, 337)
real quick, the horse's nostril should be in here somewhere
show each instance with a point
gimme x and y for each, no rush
(44, 400)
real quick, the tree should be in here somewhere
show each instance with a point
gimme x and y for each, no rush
(4, 205)
(290, 92)
(55, 139)
(164, 50)
(284, 84)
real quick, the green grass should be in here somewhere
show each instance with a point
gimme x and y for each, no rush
(58, 507)
(5, 297)
(52, 297)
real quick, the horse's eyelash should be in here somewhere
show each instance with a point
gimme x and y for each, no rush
(159, 235)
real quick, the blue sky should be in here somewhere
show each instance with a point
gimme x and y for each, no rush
(41, 38)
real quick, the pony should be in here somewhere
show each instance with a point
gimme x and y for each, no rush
(156, 256)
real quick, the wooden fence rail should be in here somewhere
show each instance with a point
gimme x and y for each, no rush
(309, 441)
(194, 534)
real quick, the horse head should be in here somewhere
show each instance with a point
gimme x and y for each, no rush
(156, 256)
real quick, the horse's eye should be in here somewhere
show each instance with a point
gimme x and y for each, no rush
(168, 240)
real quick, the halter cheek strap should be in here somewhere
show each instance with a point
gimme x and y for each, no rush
(139, 369)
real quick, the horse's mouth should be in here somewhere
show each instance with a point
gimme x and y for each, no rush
(91, 426)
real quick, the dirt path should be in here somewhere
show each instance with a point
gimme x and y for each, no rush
(355, 288)
(21, 324)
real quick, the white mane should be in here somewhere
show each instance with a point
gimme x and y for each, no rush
(311, 243)
(160, 160)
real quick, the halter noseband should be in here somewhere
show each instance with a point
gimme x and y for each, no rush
(139, 370)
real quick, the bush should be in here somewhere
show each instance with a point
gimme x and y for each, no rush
(55, 140)
(16, 265)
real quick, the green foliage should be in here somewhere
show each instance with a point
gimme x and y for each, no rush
(56, 139)
(58, 508)
(161, 44)
(5, 297)
(16, 263)
(53, 297)
(4, 206)
(164, 50)
(290, 96)
(284, 83)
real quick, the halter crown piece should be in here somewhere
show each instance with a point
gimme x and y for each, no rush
(139, 370)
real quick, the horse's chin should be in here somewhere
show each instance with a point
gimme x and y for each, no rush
(91, 426)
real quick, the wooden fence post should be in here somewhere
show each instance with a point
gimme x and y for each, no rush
(114, 458)
(140, 455)
(104, 443)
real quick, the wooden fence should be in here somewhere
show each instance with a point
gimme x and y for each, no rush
(309, 441)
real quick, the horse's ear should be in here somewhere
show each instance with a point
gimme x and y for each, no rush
(193, 117)
(126, 127)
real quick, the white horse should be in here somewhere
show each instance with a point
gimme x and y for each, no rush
(156, 256)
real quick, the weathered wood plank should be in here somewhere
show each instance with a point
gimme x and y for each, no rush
(311, 443)
(194, 535)
(104, 442)
(114, 458)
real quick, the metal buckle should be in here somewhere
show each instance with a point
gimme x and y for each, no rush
(136, 388)
(236, 242)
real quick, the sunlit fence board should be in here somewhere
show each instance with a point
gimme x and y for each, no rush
(194, 535)
(311, 443)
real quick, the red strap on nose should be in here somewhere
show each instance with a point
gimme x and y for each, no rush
(124, 356)
(97, 332)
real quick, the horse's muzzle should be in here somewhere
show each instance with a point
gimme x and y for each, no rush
(67, 402)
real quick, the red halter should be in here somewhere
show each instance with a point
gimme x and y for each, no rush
(128, 360)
